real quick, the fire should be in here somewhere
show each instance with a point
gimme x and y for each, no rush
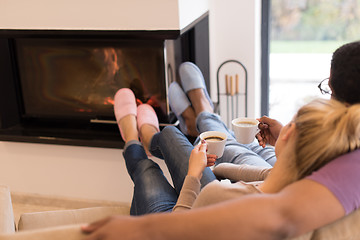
(109, 101)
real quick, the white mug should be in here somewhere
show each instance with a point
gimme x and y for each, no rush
(216, 142)
(245, 129)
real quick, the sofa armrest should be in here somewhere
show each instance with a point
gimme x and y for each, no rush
(71, 232)
(38, 220)
(7, 222)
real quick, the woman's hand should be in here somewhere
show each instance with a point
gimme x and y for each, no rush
(199, 160)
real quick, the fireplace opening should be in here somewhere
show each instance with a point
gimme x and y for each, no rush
(77, 79)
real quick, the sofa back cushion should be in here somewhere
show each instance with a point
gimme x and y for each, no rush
(38, 220)
(7, 223)
(347, 227)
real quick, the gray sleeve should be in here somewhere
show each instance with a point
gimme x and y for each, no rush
(243, 172)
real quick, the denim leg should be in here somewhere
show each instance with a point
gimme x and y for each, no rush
(152, 191)
(206, 121)
(235, 152)
(172, 145)
(267, 153)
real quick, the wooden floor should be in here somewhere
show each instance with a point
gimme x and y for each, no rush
(26, 203)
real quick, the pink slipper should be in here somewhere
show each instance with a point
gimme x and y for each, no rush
(147, 115)
(124, 104)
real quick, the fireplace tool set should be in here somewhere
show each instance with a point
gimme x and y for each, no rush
(231, 90)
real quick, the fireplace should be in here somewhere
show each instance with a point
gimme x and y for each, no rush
(57, 86)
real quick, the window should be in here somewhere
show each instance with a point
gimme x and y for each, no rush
(303, 36)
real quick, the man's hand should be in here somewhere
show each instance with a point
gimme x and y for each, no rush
(269, 131)
(113, 228)
(199, 160)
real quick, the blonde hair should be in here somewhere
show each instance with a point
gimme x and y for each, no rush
(325, 130)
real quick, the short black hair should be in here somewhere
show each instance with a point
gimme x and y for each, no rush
(345, 73)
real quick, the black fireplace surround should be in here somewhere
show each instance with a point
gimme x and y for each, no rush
(57, 86)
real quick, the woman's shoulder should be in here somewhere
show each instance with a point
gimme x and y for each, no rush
(341, 176)
(346, 167)
(349, 161)
(354, 155)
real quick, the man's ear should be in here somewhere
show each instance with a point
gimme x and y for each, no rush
(289, 131)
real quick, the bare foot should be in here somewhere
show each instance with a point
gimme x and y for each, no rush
(129, 128)
(199, 101)
(147, 131)
(190, 121)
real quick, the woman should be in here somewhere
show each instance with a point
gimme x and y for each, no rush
(321, 131)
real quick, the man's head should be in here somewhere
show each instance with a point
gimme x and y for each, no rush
(345, 73)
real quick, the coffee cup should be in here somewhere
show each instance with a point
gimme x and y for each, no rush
(245, 129)
(216, 142)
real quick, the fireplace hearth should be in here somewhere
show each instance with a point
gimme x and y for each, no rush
(57, 86)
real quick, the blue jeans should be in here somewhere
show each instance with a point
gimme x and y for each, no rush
(152, 192)
(234, 152)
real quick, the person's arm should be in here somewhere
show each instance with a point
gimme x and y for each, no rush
(188, 194)
(242, 172)
(300, 207)
(269, 131)
(191, 188)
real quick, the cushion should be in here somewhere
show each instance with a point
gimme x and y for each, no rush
(347, 227)
(7, 223)
(37, 220)
(71, 232)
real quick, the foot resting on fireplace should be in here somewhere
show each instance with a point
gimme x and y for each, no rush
(125, 111)
(147, 124)
(190, 100)
(132, 118)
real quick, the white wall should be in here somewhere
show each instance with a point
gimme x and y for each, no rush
(98, 173)
(79, 172)
(89, 14)
(100, 15)
(235, 34)
(75, 172)
(189, 11)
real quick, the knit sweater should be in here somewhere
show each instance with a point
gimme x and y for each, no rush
(245, 178)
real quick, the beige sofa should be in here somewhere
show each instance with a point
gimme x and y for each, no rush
(50, 225)
(65, 224)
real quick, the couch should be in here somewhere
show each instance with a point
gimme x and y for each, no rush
(65, 224)
(54, 225)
